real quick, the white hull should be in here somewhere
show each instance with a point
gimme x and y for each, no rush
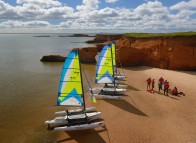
(108, 90)
(80, 127)
(64, 120)
(119, 77)
(75, 111)
(114, 97)
(113, 90)
(119, 81)
(118, 85)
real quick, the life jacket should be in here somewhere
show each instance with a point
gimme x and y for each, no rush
(161, 79)
(166, 85)
(148, 80)
(175, 90)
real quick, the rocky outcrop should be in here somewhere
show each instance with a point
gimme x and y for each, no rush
(53, 58)
(87, 54)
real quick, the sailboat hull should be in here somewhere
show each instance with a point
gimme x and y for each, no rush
(119, 77)
(108, 90)
(113, 91)
(118, 85)
(110, 97)
(75, 111)
(64, 119)
(80, 127)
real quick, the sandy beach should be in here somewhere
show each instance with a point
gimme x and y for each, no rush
(143, 117)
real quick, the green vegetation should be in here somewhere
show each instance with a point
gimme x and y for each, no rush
(159, 35)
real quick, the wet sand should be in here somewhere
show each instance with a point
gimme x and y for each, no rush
(144, 117)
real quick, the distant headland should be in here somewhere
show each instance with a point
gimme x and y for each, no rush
(77, 35)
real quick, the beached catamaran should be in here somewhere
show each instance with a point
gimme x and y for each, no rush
(105, 74)
(118, 77)
(71, 93)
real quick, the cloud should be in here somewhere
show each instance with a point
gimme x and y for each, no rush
(58, 13)
(43, 15)
(88, 5)
(105, 13)
(41, 3)
(29, 11)
(27, 24)
(184, 5)
(183, 14)
(111, 1)
(151, 8)
(4, 6)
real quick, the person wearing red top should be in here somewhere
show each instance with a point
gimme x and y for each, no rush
(175, 91)
(161, 80)
(148, 82)
(166, 87)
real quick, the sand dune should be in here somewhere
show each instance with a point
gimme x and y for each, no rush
(143, 117)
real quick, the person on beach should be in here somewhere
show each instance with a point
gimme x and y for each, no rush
(161, 80)
(175, 92)
(159, 86)
(153, 82)
(148, 83)
(166, 87)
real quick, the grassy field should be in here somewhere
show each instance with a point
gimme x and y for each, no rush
(157, 35)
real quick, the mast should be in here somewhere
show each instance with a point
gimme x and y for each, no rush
(115, 60)
(84, 106)
(112, 65)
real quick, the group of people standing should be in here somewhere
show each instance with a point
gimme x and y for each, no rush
(162, 85)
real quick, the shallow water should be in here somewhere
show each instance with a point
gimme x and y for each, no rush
(29, 87)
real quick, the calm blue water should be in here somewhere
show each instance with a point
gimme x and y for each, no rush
(28, 87)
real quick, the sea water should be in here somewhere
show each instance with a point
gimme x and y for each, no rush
(28, 87)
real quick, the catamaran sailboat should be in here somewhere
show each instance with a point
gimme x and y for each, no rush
(118, 77)
(70, 93)
(105, 74)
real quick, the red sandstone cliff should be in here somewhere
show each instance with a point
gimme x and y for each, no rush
(169, 53)
(177, 53)
(87, 54)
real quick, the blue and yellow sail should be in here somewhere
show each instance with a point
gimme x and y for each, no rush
(104, 70)
(70, 90)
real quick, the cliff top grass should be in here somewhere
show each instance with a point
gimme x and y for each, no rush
(160, 35)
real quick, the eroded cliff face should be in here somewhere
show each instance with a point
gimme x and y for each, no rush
(177, 53)
(87, 54)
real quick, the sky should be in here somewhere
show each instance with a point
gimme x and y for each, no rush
(95, 16)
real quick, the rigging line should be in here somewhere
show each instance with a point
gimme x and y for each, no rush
(87, 80)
